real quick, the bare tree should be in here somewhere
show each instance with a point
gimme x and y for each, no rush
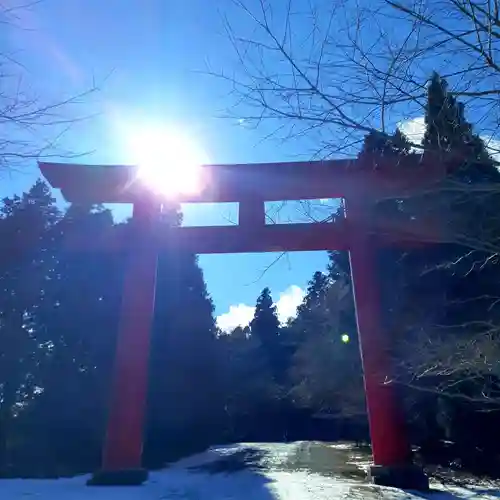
(340, 69)
(455, 366)
(310, 72)
(333, 71)
(31, 124)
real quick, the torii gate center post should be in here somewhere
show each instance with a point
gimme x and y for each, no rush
(251, 185)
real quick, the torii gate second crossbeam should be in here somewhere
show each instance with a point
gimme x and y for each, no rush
(251, 185)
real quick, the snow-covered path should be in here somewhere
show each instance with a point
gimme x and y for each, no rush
(295, 471)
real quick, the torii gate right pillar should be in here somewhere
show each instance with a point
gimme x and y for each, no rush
(392, 453)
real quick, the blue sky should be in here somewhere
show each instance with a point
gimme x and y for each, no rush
(146, 55)
(149, 60)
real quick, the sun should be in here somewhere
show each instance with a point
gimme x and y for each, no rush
(169, 161)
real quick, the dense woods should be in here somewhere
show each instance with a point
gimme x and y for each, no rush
(266, 381)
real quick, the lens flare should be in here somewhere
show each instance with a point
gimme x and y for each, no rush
(169, 162)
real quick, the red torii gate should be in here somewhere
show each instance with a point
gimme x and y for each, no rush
(251, 185)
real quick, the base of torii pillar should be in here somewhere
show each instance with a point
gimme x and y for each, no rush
(122, 477)
(405, 477)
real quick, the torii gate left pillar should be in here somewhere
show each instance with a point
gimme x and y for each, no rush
(251, 186)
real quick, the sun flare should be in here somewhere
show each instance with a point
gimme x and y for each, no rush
(169, 162)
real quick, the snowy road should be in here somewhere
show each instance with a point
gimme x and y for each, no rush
(295, 471)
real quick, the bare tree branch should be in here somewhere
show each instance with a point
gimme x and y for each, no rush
(31, 126)
(335, 71)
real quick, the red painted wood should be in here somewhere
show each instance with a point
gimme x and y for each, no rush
(234, 183)
(251, 214)
(124, 436)
(388, 434)
(269, 238)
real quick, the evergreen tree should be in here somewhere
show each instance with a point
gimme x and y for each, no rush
(265, 324)
(326, 371)
(248, 384)
(471, 215)
(265, 327)
(446, 129)
(315, 293)
(25, 223)
(185, 406)
(313, 305)
(78, 320)
(382, 145)
(240, 333)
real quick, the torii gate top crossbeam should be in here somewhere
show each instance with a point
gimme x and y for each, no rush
(251, 185)
(238, 183)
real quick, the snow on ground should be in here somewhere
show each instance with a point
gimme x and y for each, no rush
(295, 471)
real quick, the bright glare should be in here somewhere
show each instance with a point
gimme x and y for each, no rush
(169, 162)
(345, 338)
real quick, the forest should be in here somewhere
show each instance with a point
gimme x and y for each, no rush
(267, 381)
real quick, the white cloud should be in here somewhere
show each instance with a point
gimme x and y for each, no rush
(239, 315)
(414, 129)
(242, 314)
(288, 302)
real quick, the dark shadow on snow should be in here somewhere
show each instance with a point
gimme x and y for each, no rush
(243, 473)
(246, 459)
(248, 466)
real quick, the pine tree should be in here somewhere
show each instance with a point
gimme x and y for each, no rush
(326, 371)
(265, 324)
(185, 406)
(265, 327)
(383, 145)
(240, 333)
(315, 296)
(25, 224)
(79, 320)
(248, 382)
(446, 129)
(470, 215)
(312, 313)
